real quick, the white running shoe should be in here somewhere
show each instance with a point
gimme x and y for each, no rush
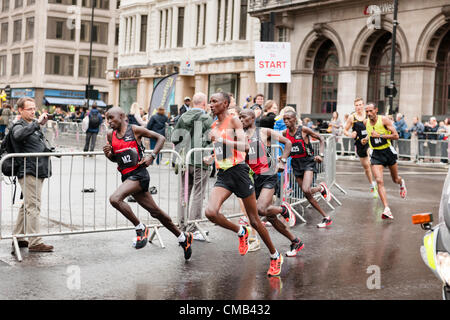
(198, 236)
(253, 244)
(403, 191)
(325, 222)
(325, 191)
(387, 214)
(290, 219)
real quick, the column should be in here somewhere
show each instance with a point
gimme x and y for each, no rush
(247, 87)
(222, 22)
(127, 35)
(417, 85)
(137, 35)
(299, 91)
(229, 21)
(237, 17)
(352, 83)
(163, 28)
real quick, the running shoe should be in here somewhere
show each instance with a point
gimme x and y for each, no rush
(254, 244)
(198, 236)
(141, 238)
(243, 241)
(387, 214)
(296, 246)
(275, 266)
(289, 216)
(325, 191)
(186, 245)
(374, 191)
(403, 190)
(325, 222)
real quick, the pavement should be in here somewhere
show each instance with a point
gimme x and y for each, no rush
(359, 257)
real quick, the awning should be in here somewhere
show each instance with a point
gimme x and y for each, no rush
(64, 101)
(75, 102)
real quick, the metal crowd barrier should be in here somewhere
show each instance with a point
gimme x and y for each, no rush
(326, 172)
(413, 149)
(75, 199)
(63, 135)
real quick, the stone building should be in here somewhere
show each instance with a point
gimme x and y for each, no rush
(338, 55)
(157, 38)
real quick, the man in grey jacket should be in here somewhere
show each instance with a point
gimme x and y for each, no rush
(191, 132)
(27, 137)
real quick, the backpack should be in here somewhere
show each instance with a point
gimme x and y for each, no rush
(9, 168)
(94, 121)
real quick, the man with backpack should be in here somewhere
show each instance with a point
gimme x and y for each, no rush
(190, 132)
(26, 137)
(95, 120)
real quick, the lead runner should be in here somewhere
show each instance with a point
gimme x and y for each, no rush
(230, 146)
(125, 148)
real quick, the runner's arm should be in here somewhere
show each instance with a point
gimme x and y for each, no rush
(140, 132)
(390, 126)
(107, 149)
(241, 144)
(278, 137)
(347, 126)
(315, 135)
(366, 139)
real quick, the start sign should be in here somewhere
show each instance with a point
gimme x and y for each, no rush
(273, 62)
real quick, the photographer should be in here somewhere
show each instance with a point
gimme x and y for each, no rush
(27, 137)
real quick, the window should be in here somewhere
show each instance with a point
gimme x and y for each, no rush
(98, 67)
(17, 34)
(228, 82)
(29, 32)
(165, 28)
(325, 80)
(442, 83)
(116, 38)
(57, 29)
(18, 4)
(380, 73)
(243, 21)
(4, 33)
(31, 2)
(66, 2)
(99, 35)
(59, 64)
(180, 27)
(98, 4)
(201, 24)
(5, 5)
(2, 66)
(15, 70)
(143, 40)
(117, 4)
(28, 63)
(115, 63)
(219, 22)
(283, 34)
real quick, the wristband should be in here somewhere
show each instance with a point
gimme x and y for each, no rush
(153, 155)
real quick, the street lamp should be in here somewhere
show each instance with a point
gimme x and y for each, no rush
(393, 52)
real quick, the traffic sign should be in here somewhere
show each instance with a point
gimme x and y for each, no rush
(272, 62)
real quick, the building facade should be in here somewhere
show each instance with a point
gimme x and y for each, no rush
(157, 38)
(342, 50)
(45, 46)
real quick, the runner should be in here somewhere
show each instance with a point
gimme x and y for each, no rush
(359, 132)
(380, 132)
(266, 177)
(233, 176)
(124, 147)
(304, 162)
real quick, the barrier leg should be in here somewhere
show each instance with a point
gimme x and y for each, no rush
(156, 233)
(299, 215)
(340, 188)
(17, 249)
(202, 232)
(336, 199)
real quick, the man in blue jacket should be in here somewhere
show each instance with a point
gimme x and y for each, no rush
(404, 147)
(95, 120)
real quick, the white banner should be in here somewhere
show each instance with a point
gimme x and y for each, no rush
(273, 62)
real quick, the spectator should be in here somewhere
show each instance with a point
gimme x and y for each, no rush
(95, 120)
(185, 106)
(336, 130)
(308, 123)
(443, 139)
(190, 132)
(431, 129)
(279, 121)
(27, 137)
(134, 116)
(157, 123)
(346, 140)
(404, 147)
(270, 112)
(417, 129)
(234, 111)
(58, 115)
(4, 119)
(258, 101)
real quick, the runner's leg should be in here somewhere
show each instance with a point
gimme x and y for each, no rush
(378, 175)
(128, 187)
(309, 192)
(216, 199)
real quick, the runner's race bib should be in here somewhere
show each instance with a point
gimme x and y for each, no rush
(378, 142)
(127, 158)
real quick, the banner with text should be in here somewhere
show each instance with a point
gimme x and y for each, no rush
(272, 62)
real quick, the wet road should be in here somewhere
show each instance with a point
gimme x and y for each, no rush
(336, 263)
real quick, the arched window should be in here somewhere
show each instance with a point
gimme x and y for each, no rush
(380, 74)
(442, 84)
(325, 86)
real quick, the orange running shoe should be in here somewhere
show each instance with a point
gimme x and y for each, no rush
(243, 241)
(275, 266)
